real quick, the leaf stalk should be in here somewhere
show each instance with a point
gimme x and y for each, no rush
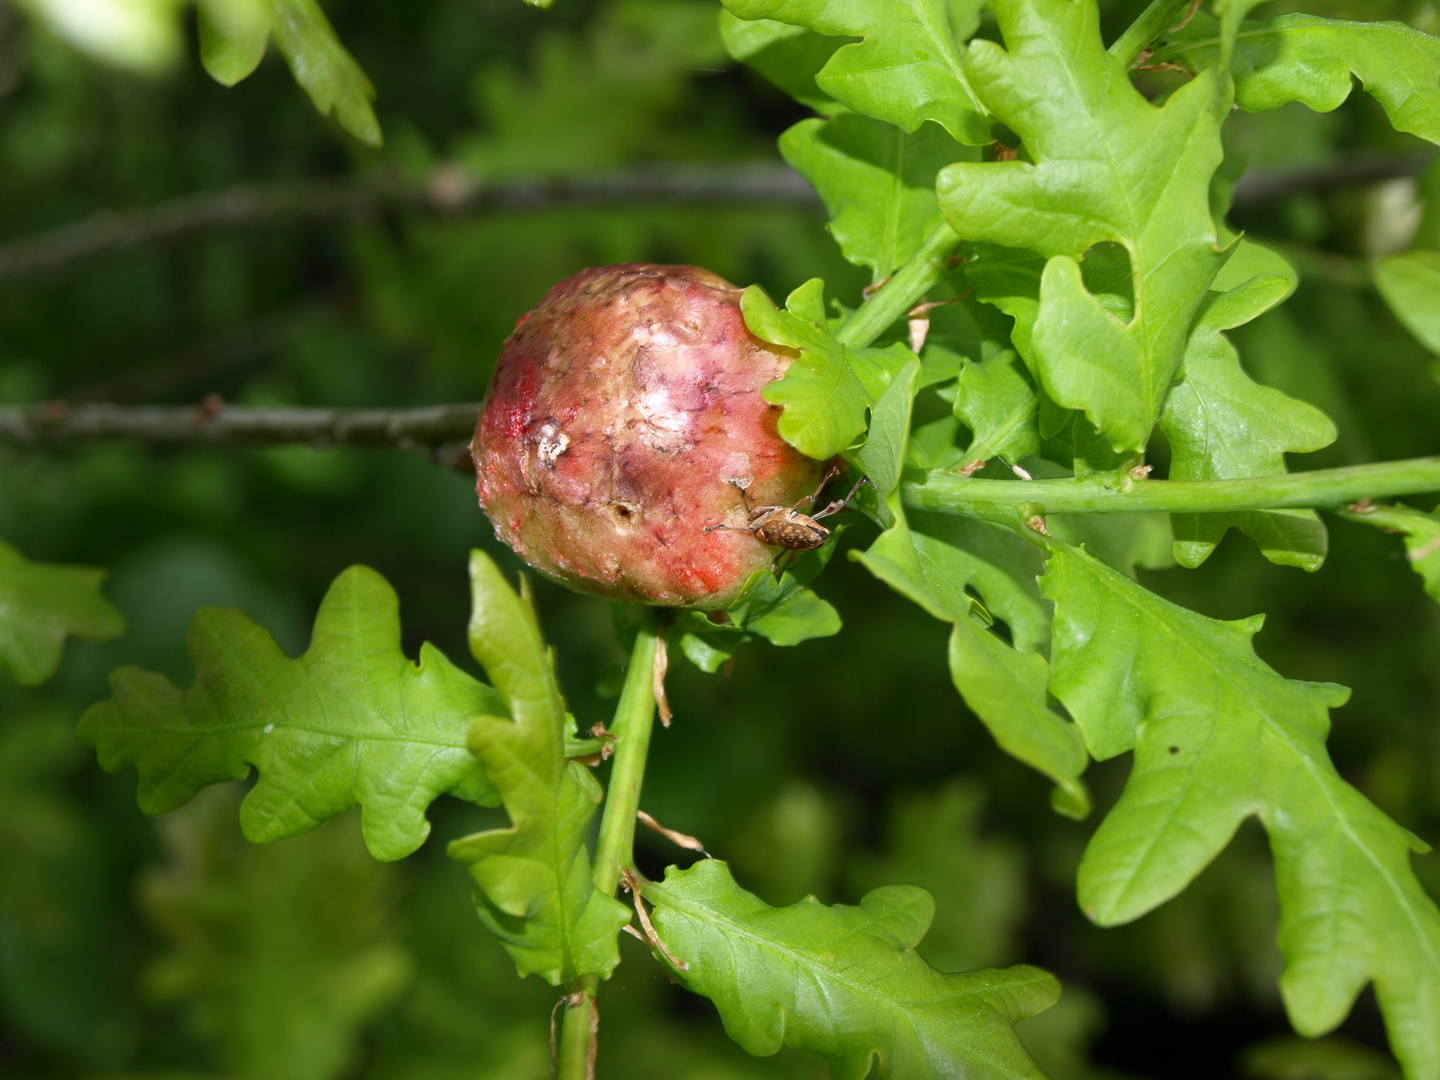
(898, 295)
(1160, 16)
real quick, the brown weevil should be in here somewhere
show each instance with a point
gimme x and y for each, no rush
(785, 526)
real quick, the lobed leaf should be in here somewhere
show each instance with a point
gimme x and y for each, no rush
(933, 559)
(997, 403)
(352, 721)
(877, 182)
(1312, 60)
(1223, 426)
(1007, 689)
(233, 34)
(1219, 736)
(1108, 167)
(536, 893)
(827, 389)
(906, 69)
(40, 605)
(1410, 284)
(844, 981)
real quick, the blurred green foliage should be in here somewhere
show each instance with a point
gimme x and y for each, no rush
(132, 948)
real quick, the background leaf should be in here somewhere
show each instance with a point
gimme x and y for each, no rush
(1108, 167)
(536, 894)
(843, 981)
(40, 605)
(1219, 736)
(1410, 284)
(352, 721)
(280, 984)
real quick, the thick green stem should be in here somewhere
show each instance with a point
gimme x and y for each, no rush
(1321, 489)
(903, 291)
(573, 1053)
(634, 719)
(1153, 21)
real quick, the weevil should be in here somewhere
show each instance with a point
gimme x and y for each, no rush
(786, 526)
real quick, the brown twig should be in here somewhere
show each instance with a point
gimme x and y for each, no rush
(450, 190)
(438, 432)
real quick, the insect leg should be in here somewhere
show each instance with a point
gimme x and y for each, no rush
(730, 528)
(830, 474)
(836, 507)
(744, 491)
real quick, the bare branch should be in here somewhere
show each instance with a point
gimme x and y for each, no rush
(449, 191)
(1259, 187)
(438, 432)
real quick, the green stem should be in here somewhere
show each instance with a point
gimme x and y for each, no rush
(633, 722)
(573, 1056)
(903, 291)
(1153, 21)
(634, 719)
(1323, 489)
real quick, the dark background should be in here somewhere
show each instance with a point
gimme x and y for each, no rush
(142, 948)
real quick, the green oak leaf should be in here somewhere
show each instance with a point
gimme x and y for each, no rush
(844, 981)
(826, 391)
(352, 721)
(1108, 167)
(877, 182)
(233, 34)
(536, 894)
(932, 559)
(1422, 538)
(283, 955)
(1410, 284)
(43, 603)
(1007, 689)
(1224, 426)
(998, 404)
(789, 56)
(781, 608)
(1218, 736)
(1314, 61)
(906, 69)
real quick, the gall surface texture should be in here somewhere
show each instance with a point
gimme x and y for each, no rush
(620, 410)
